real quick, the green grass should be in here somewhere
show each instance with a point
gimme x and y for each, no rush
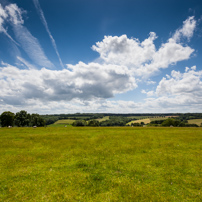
(195, 121)
(59, 125)
(100, 164)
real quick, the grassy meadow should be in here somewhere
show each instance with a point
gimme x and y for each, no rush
(195, 121)
(147, 120)
(100, 164)
(103, 119)
(64, 122)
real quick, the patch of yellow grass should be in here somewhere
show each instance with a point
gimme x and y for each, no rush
(195, 121)
(103, 119)
(146, 121)
(64, 121)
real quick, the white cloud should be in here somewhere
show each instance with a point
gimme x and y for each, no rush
(13, 14)
(26, 63)
(3, 18)
(187, 29)
(179, 92)
(86, 87)
(142, 58)
(149, 82)
(41, 14)
(84, 82)
(148, 93)
(3, 14)
(124, 51)
(188, 83)
(31, 46)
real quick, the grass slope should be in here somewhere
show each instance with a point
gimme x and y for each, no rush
(103, 119)
(100, 164)
(195, 121)
(65, 121)
(147, 120)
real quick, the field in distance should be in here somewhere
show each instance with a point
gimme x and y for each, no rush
(64, 121)
(103, 119)
(100, 164)
(195, 121)
(147, 120)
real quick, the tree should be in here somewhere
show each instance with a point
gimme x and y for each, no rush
(79, 123)
(171, 122)
(7, 119)
(37, 120)
(22, 119)
(93, 123)
(135, 124)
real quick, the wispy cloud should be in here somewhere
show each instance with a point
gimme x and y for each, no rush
(26, 63)
(187, 29)
(3, 17)
(28, 42)
(31, 46)
(41, 14)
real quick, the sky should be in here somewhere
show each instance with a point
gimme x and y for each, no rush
(101, 56)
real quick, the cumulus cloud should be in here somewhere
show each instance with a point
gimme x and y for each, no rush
(142, 58)
(178, 92)
(84, 82)
(148, 93)
(124, 51)
(122, 64)
(188, 83)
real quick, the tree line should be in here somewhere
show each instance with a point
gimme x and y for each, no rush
(21, 119)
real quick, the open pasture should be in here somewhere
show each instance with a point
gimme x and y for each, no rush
(100, 164)
(103, 119)
(65, 121)
(195, 121)
(147, 120)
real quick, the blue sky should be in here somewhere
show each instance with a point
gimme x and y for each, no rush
(123, 56)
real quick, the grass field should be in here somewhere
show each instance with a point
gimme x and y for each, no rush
(103, 119)
(147, 120)
(195, 121)
(100, 164)
(65, 121)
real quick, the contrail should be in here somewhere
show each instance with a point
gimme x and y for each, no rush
(5, 32)
(40, 12)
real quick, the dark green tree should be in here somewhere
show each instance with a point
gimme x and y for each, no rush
(37, 120)
(79, 123)
(7, 119)
(22, 119)
(93, 123)
(171, 122)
